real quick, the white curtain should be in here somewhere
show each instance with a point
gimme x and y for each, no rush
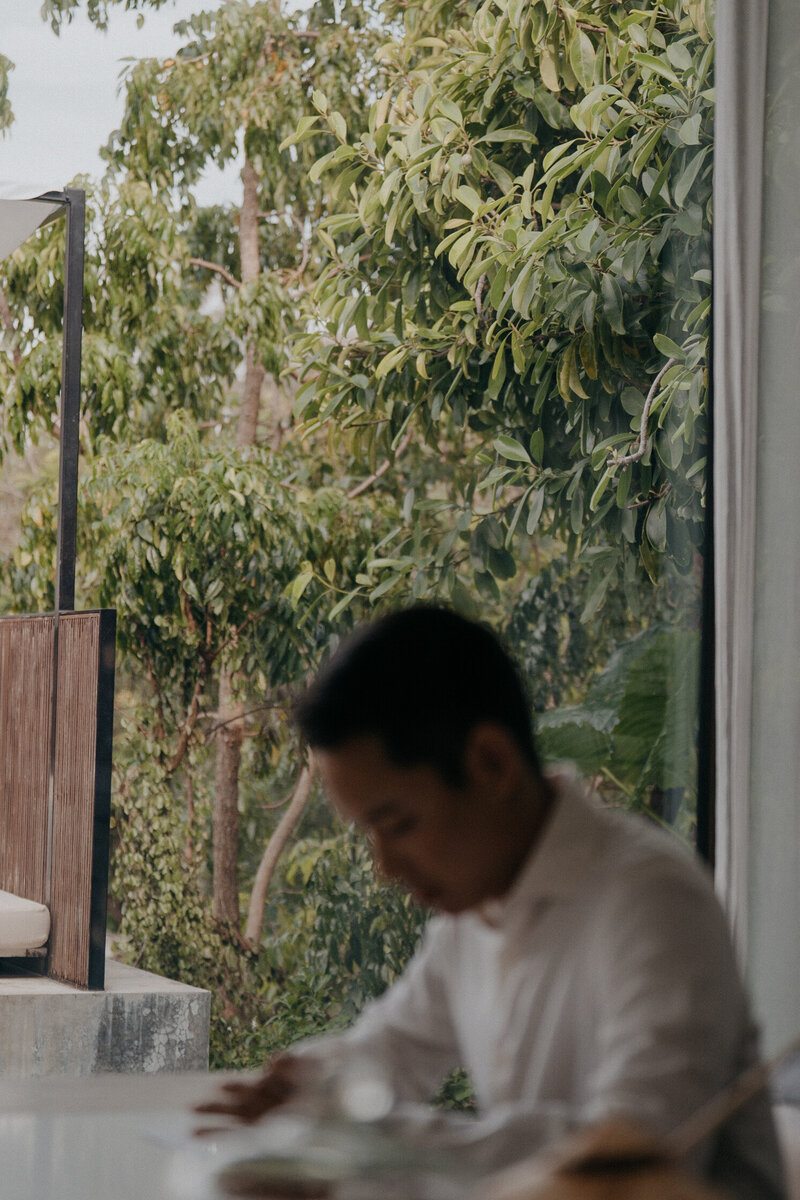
(757, 500)
(741, 53)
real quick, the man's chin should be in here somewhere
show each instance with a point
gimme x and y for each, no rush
(429, 897)
(439, 901)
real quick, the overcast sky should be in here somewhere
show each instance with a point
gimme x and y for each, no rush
(64, 91)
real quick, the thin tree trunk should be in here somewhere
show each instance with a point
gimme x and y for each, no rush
(273, 850)
(230, 714)
(247, 425)
(225, 820)
(188, 845)
(251, 268)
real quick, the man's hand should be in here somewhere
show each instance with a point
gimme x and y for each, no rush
(247, 1102)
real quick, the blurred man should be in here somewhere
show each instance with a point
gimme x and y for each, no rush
(580, 968)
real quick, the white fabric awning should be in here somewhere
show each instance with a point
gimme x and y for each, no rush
(22, 210)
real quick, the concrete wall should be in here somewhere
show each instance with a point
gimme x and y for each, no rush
(141, 1022)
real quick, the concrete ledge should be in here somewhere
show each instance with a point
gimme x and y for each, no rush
(141, 1022)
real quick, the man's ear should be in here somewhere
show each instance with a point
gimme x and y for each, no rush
(492, 759)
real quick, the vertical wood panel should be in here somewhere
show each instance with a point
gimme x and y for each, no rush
(26, 680)
(74, 795)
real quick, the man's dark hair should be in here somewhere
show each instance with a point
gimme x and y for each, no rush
(420, 680)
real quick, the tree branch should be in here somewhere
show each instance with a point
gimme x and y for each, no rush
(212, 266)
(274, 848)
(247, 713)
(188, 725)
(382, 469)
(625, 460)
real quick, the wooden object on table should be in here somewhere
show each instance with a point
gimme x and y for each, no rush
(612, 1160)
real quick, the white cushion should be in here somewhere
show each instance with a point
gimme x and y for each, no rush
(24, 925)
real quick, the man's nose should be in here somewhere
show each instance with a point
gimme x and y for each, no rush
(387, 861)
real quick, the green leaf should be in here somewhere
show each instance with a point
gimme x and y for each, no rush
(524, 288)
(656, 526)
(534, 511)
(554, 114)
(338, 125)
(645, 150)
(458, 251)
(582, 58)
(657, 65)
(297, 587)
(557, 152)
(680, 56)
(317, 168)
(612, 302)
(390, 361)
(548, 69)
(623, 488)
(385, 586)
(517, 135)
(689, 132)
(630, 200)
(599, 491)
(668, 348)
(304, 126)
(450, 110)
(486, 586)
(389, 185)
(562, 737)
(468, 197)
(511, 449)
(576, 511)
(683, 185)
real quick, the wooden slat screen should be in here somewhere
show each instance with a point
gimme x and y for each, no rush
(26, 680)
(79, 760)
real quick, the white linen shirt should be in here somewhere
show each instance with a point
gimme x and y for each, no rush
(603, 983)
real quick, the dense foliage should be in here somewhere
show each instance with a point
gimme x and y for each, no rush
(452, 343)
(519, 256)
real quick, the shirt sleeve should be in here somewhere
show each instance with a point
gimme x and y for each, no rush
(480, 1145)
(672, 1020)
(407, 1034)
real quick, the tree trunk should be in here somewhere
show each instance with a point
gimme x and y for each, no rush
(225, 821)
(274, 848)
(251, 267)
(230, 714)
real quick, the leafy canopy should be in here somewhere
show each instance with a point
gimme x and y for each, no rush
(520, 248)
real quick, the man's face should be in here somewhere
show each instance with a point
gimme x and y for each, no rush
(450, 847)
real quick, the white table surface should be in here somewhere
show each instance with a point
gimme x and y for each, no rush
(131, 1137)
(97, 1138)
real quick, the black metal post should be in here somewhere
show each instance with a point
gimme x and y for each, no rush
(707, 732)
(102, 798)
(70, 400)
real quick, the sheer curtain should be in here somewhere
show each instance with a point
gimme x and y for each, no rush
(757, 495)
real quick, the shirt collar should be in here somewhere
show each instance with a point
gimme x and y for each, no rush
(561, 857)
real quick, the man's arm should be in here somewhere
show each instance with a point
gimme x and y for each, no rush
(406, 1037)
